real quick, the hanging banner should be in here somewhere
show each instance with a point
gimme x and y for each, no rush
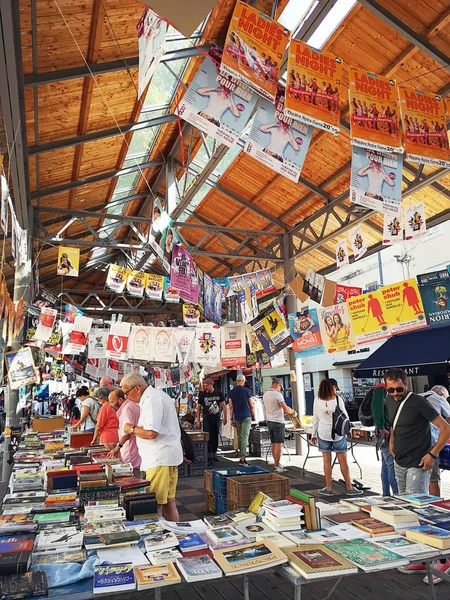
(224, 283)
(11, 316)
(376, 179)
(79, 335)
(154, 287)
(313, 285)
(116, 279)
(252, 339)
(273, 330)
(262, 279)
(136, 281)
(313, 86)
(343, 292)
(216, 103)
(31, 323)
(151, 31)
(308, 281)
(45, 299)
(91, 368)
(4, 193)
(191, 315)
(232, 312)
(20, 366)
(305, 332)
(342, 259)
(116, 346)
(375, 114)
(68, 261)
(335, 329)
(358, 242)
(200, 281)
(97, 341)
(208, 297)
(45, 325)
(424, 123)
(248, 304)
(368, 318)
(207, 344)
(23, 245)
(392, 227)
(183, 340)
(415, 221)
(403, 307)
(254, 50)
(162, 348)
(140, 343)
(171, 295)
(233, 346)
(180, 271)
(435, 293)
(14, 239)
(217, 296)
(278, 141)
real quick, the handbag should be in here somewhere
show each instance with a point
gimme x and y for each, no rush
(341, 423)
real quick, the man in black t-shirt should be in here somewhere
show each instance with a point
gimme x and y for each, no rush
(410, 441)
(211, 402)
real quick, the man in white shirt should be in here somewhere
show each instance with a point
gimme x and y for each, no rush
(158, 440)
(275, 408)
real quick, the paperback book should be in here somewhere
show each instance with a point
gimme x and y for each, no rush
(114, 578)
(418, 499)
(154, 576)
(373, 526)
(249, 558)
(24, 585)
(144, 526)
(393, 514)
(213, 521)
(405, 547)
(198, 568)
(315, 561)
(254, 529)
(430, 535)
(50, 540)
(280, 540)
(191, 542)
(158, 557)
(367, 556)
(225, 534)
(71, 556)
(184, 526)
(159, 541)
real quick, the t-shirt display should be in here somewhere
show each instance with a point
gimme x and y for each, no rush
(240, 397)
(210, 403)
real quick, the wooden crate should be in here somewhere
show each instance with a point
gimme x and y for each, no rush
(242, 490)
(210, 502)
(208, 480)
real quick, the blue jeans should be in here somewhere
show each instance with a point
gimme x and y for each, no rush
(388, 480)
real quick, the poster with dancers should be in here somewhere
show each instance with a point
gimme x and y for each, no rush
(217, 103)
(313, 86)
(342, 259)
(151, 31)
(374, 108)
(358, 242)
(254, 50)
(376, 179)
(424, 123)
(415, 221)
(278, 141)
(403, 307)
(435, 293)
(369, 318)
(392, 227)
(336, 329)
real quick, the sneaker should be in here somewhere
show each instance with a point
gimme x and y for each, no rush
(279, 469)
(243, 463)
(411, 569)
(438, 566)
(326, 492)
(353, 492)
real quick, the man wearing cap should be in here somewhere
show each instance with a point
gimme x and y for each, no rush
(212, 402)
(275, 408)
(241, 415)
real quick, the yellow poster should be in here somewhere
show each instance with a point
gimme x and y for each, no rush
(368, 318)
(252, 339)
(136, 283)
(116, 279)
(336, 329)
(68, 261)
(402, 306)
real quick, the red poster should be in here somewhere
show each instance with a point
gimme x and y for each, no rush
(344, 292)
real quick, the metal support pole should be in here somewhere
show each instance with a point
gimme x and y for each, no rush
(246, 587)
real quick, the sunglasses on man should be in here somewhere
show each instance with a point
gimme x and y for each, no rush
(392, 390)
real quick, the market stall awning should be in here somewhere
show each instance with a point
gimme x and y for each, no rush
(423, 352)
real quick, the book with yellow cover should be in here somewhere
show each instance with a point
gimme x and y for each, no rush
(257, 502)
(314, 561)
(431, 536)
(153, 576)
(248, 558)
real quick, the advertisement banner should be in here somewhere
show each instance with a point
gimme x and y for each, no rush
(162, 235)
(375, 118)
(116, 346)
(392, 227)
(233, 346)
(403, 307)
(216, 103)
(343, 292)
(136, 284)
(20, 366)
(271, 330)
(68, 261)
(207, 345)
(151, 31)
(98, 338)
(277, 141)
(424, 119)
(415, 221)
(358, 242)
(262, 279)
(435, 293)
(4, 193)
(183, 340)
(154, 287)
(314, 285)
(335, 328)
(254, 50)
(180, 272)
(45, 325)
(191, 315)
(140, 343)
(376, 179)
(171, 295)
(305, 332)
(116, 279)
(71, 311)
(313, 86)
(342, 259)
(91, 368)
(224, 283)
(78, 336)
(368, 319)
(200, 281)
(248, 304)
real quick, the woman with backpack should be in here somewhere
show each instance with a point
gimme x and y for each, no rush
(89, 410)
(327, 403)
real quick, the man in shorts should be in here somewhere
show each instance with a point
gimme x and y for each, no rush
(275, 408)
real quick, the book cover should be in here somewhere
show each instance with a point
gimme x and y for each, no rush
(373, 526)
(158, 557)
(59, 517)
(444, 504)
(257, 502)
(405, 547)
(298, 536)
(428, 534)
(67, 537)
(122, 537)
(19, 543)
(156, 575)
(159, 541)
(418, 499)
(198, 568)
(393, 514)
(249, 557)
(275, 538)
(144, 526)
(17, 522)
(14, 562)
(431, 514)
(317, 560)
(346, 517)
(24, 585)
(251, 531)
(190, 542)
(213, 521)
(224, 534)
(71, 556)
(366, 555)
(114, 578)
(240, 515)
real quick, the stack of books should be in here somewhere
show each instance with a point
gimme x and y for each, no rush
(400, 518)
(282, 515)
(315, 561)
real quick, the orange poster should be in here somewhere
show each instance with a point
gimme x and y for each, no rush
(254, 50)
(375, 118)
(313, 86)
(424, 127)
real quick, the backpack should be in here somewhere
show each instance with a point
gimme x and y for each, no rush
(341, 423)
(188, 446)
(365, 410)
(94, 407)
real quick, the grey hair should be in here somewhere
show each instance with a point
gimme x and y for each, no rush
(441, 390)
(102, 392)
(133, 379)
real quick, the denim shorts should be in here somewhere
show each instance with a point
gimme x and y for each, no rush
(339, 447)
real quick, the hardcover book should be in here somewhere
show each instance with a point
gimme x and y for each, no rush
(251, 531)
(224, 534)
(45, 518)
(346, 517)
(444, 504)
(114, 578)
(431, 514)
(432, 536)
(367, 556)
(250, 557)
(405, 547)
(198, 568)
(51, 539)
(17, 523)
(71, 556)
(314, 561)
(191, 542)
(393, 514)
(373, 526)
(25, 585)
(278, 539)
(418, 499)
(144, 526)
(156, 576)
(12, 563)
(298, 537)
(120, 538)
(213, 521)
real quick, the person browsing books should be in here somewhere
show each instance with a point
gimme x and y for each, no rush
(127, 412)
(410, 442)
(388, 480)
(322, 435)
(275, 408)
(158, 440)
(107, 382)
(241, 415)
(212, 402)
(107, 426)
(89, 408)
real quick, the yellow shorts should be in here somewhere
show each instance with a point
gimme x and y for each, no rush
(163, 482)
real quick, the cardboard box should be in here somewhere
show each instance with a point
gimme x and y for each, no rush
(47, 425)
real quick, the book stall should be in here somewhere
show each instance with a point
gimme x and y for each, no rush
(76, 524)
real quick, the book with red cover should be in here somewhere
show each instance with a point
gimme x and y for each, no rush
(445, 504)
(198, 553)
(92, 468)
(373, 526)
(81, 440)
(346, 517)
(131, 483)
(309, 522)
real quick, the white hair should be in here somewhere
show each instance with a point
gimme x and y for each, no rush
(441, 390)
(133, 379)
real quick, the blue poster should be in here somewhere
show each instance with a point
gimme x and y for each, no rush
(435, 291)
(305, 332)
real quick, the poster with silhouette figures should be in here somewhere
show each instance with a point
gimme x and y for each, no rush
(392, 227)
(278, 141)
(151, 31)
(435, 293)
(368, 318)
(415, 221)
(376, 179)
(217, 103)
(402, 306)
(374, 110)
(271, 330)
(424, 123)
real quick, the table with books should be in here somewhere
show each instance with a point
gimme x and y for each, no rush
(76, 524)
